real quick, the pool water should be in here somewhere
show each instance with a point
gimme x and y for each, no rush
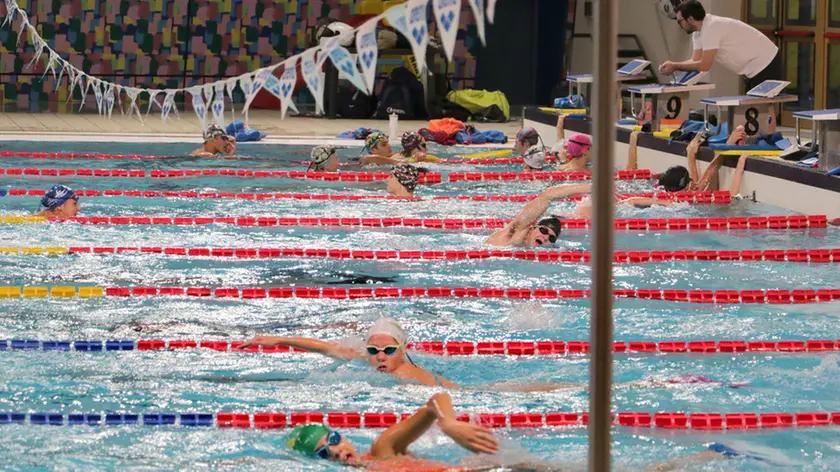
(208, 381)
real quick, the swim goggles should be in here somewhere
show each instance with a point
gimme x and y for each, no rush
(388, 350)
(333, 438)
(551, 237)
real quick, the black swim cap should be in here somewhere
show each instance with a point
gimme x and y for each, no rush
(554, 223)
(674, 179)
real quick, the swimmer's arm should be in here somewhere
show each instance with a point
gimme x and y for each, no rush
(374, 159)
(396, 439)
(633, 151)
(202, 153)
(705, 456)
(735, 189)
(561, 130)
(538, 206)
(711, 171)
(326, 348)
(691, 153)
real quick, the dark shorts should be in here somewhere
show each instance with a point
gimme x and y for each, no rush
(773, 71)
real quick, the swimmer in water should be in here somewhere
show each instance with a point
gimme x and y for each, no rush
(529, 145)
(323, 159)
(404, 179)
(60, 200)
(577, 151)
(415, 148)
(523, 231)
(688, 179)
(216, 141)
(378, 151)
(390, 450)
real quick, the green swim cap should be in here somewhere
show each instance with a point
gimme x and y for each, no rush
(305, 438)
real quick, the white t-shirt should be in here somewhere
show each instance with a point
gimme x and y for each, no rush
(740, 47)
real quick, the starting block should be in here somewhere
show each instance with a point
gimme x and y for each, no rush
(826, 135)
(668, 101)
(629, 72)
(750, 109)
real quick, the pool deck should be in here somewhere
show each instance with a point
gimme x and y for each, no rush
(75, 126)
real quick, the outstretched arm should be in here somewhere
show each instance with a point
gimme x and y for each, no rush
(326, 348)
(691, 153)
(374, 159)
(633, 152)
(538, 206)
(701, 60)
(561, 131)
(642, 202)
(735, 189)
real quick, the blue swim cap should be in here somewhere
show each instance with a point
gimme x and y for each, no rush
(57, 196)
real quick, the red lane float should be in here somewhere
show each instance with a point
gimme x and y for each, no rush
(620, 257)
(689, 197)
(621, 224)
(772, 296)
(428, 177)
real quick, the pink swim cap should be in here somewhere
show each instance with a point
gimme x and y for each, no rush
(577, 145)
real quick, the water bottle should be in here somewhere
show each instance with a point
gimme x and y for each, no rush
(393, 127)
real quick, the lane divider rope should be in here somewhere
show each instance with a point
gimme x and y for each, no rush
(427, 177)
(619, 257)
(621, 224)
(444, 348)
(355, 420)
(689, 197)
(773, 296)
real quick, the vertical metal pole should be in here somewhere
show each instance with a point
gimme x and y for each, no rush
(601, 321)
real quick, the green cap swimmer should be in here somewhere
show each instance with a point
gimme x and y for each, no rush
(305, 438)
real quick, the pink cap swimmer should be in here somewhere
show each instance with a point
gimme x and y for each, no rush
(577, 145)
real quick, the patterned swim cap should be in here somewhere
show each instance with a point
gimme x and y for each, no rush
(319, 156)
(410, 141)
(213, 131)
(535, 157)
(407, 175)
(527, 134)
(374, 139)
(57, 196)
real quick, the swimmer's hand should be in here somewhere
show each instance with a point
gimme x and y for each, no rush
(471, 437)
(256, 341)
(694, 145)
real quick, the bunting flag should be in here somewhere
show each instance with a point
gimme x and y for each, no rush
(416, 24)
(343, 61)
(447, 14)
(409, 19)
(367, 50)
(478, 12)
(313, 77)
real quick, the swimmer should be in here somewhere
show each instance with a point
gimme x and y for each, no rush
(415, 148)
(60, 200)
(323, 159)
(378, 151)
(687, 179)
(404, 179)
(216, 141)
(577, 151)
(390, 450)
(529, 145)
(523, 232)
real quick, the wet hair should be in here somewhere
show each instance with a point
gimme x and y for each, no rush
(692, 9)
(554, 223)
(674, 179)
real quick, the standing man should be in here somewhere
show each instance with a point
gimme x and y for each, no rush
(736, 45)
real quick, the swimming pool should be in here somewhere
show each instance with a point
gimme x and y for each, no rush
(204, 381)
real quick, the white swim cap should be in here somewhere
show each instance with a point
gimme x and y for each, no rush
(388, 327)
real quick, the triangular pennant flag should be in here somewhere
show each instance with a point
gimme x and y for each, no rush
(168, 104)
(73, 78)
(313, 77)
(23, 25)
(39, 48)
(51, 65)
(326, 50)
(396, 18)
(491, 10)
(287, 85)
(198, 105)
(447, 14)
(345, 64)
(11, 10)
(230, 86)
(88, 83)
(368, 52)
(478, 13)
(97, 92)
(218, 104)
(418, 30)
(132, 94)
(153, 101)
(258, 81)
(109, 99)
(118, 94)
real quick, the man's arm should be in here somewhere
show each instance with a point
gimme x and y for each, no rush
(326, 348)
(701, 60)
(535, 209)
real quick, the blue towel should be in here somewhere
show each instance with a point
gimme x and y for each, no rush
(360, 133)
(572, 101)
(242, 134)
(835, 171)
(480, 137)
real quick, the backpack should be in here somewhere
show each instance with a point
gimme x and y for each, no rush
(415, 89)
(491, 114)
(477, 100)
(355, 104)
(402, 94)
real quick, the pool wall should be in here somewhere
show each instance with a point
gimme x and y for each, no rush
(775, 183)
